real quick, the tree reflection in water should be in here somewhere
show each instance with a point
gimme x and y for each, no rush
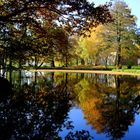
(109, 109)
(38, 111)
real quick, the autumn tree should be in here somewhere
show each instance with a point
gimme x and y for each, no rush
(118, 38)
(48, 45)
(122, 31)
(42, 16)
(96, 47)
(78, 13)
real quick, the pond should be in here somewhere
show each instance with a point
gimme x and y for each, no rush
(69, 106)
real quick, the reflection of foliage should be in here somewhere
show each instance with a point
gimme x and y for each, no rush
(82, 87)
(79, 135)
(110, 110)
(35, 115)
(93, 98)
(38, 111)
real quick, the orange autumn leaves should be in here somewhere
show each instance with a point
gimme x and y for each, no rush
(103, 103)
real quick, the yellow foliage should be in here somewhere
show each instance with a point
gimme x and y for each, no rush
(95, 45)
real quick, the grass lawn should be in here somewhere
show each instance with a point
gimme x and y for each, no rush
(134, 69)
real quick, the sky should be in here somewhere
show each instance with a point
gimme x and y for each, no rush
(134, 5)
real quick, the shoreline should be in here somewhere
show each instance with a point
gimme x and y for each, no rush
(88, 71)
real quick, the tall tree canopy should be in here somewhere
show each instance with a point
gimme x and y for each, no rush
(76, 13)
(122, 31)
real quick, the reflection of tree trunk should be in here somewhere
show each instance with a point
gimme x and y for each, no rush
(35, 77)
(82, 75)
(66, 82)
(117, 110)
(106, 78)
(35, 83)
(52, 79)
(96, 78)
(118, 90)
(76, 76)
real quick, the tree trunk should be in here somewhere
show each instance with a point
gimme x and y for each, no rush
(20, 65)
(118, 62)
(35, 62)
(96, 62)
(82, 61)
(52, 63)
(106, 60)
(66, 61)
(77, 61)
(3, 66)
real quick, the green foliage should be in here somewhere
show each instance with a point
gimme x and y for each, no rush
(123, 31)
(113, 42)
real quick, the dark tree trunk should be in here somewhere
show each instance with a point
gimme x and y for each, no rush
(82, 61)
(52, 63)
(118, 62)
(77, 61)
(66, 60)
(35, 62)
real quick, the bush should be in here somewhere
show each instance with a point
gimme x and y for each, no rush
(130, 64)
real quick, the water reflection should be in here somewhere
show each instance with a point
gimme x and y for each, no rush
(39, 105)
(5, 89)
(109, 109)
(38, 110)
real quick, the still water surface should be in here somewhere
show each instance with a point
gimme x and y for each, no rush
(55, 106)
